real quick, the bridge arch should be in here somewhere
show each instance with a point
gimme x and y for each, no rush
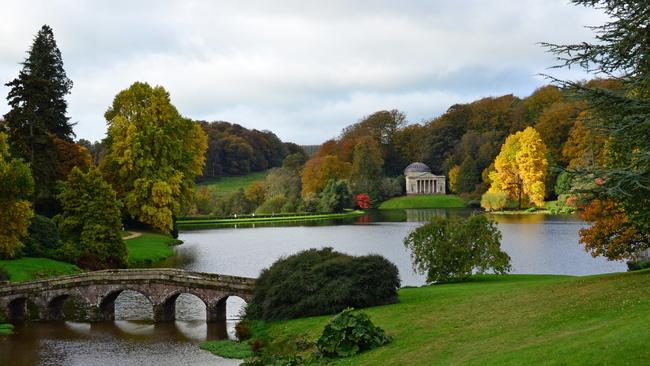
(56, 307)
(106, 308)
(22, 308)
(168, 306)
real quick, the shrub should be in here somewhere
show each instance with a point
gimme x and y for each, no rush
(4, 275)
(391, 187)
(494, 201)
(350, 333)
(363, 201)
(310, 203)
(638, 265)
(322, 281)
(452, 249)
(563, 183)
(43, 238)
(243, 330)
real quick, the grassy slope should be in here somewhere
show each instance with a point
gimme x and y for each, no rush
(425, 201)
(228, 349)
(518, 320)
(27, 268)
(226, 185)
(149, 248)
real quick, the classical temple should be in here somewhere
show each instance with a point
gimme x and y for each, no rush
(419, 180)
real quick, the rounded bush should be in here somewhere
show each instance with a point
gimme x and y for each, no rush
(322, 281)
(43, 238)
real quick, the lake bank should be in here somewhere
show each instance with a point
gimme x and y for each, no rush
(513, 319)
(423, 201)
(198, 223)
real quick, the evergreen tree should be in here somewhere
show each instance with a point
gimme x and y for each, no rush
(38, 114)
(90, 223)
(622, 53)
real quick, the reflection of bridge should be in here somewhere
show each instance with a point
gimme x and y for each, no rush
(44, 299)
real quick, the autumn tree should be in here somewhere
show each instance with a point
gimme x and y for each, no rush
(584, 147)
(90, 222)
(71, 155)
(554, 125)
(38, 111)
(452, 177)
(256, 193)
(153, 155)
(367, 168)
(16, 186)
(612, 235)
(620, 52)
(320, 170)
(520, 168)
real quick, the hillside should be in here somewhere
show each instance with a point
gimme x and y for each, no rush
(512, 320)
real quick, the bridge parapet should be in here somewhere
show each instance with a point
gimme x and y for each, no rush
(99, 290)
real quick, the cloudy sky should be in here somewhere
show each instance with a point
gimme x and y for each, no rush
(302, 69)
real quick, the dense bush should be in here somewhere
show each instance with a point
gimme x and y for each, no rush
(272, 205)
(391, 187)
(638, 265)
(350, 333)
(322, 281)
(336, 196)
(452, 249)
(494, 201)
(310, 203)
(43, 239)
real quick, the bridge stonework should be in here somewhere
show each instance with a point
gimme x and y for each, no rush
(44, 299)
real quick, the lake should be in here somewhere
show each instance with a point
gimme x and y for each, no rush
(536, 243)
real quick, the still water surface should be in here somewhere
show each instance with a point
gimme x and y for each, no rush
(536, 243)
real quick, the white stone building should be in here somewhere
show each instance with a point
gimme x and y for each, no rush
(419, 180)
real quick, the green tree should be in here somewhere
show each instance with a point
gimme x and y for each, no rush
(468, 176)
(620, 51)
(367, 168)
(90, 223)
(452, 249)
(16, 185)
(153, 155)
(336, 196)
(38, 114)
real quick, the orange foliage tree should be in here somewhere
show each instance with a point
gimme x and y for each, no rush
(612, 235)
(320, 170)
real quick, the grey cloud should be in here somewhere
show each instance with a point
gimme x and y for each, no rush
(303, 69)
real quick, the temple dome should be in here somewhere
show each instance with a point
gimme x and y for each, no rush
(417, 167)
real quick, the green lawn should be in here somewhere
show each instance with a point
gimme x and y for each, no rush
(228, 349)
(27, 268)
(424, 201)
(225, 185)
(513, 320)
(149, 248)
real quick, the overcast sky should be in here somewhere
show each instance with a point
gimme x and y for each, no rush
(302, 69)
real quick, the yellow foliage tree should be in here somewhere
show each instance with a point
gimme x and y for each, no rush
(453, 177)
(520, 168)
(16, 184)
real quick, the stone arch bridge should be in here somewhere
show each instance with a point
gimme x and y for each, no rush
(99, 289)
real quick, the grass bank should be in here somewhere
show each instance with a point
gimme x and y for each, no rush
(225, 185)
(6, 329)
(149, 248)
(198, 223)
(510, 320)
(424, 201)
(228, 349)
(28, 268)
